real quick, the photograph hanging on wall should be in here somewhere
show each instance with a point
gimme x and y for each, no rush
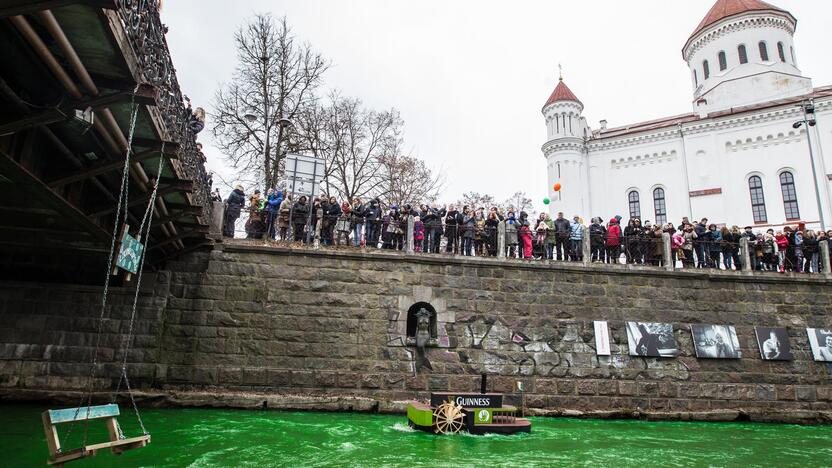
(774, 344)
(602, 338)
(820, 339)
(716, 341)
(651, 339)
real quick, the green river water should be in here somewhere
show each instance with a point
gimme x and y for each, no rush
(235, 438)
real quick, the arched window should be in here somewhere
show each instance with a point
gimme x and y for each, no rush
(635, 204)
(723, 61)
(706, 69)
(794, 59)
(789, 196)
(660, 206)
(763, 51)
(695, 78)
(781, 51)
(758, 201)
(742, 53)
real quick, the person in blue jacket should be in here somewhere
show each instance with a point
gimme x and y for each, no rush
(273, 201)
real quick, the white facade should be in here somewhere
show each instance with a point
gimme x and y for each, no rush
(739, 133)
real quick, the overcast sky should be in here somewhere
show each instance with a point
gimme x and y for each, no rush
(470, 77)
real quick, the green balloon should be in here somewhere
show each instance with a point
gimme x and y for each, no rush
(546, 201)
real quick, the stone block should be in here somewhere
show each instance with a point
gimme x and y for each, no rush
(628, 388)
(806, 394)
(566, 387)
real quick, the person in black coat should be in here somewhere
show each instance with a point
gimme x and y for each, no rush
(452, 221)
(300, 212)
(233, 205)
(563, 228)
(332, 210)
(433, 226)
(373, 216)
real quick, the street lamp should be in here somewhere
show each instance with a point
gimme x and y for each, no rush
(809, 120)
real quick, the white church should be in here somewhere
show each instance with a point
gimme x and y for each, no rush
(738, 158)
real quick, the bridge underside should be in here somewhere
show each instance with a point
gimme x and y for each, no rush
(74, 75)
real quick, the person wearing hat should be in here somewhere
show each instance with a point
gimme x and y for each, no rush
(233, 207)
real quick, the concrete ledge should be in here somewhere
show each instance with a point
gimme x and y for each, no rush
(244, 246)
(342, 403)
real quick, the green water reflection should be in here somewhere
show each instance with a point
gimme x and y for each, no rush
(209, 437)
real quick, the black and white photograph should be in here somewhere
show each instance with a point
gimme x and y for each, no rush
(651, 339)
(602, 338)
(716, 341)
(820, 339)
(774, 344)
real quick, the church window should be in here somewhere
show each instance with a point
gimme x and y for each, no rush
(763, 51)
(758, 201)
(695, 78)
(635, 205)
(794, 59)
(781, 51)
(742, 53)
(723, 61)
(557, 123)
(706, 69)
(570, 124)
(660, 206)
(789, 196)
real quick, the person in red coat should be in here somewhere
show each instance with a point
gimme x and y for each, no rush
(613, 242)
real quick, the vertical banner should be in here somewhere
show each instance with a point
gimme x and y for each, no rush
(602, 338)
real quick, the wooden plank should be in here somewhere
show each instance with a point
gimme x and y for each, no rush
(38, 191)
(138, 201)
(170, 240)
(20, 7)
(102, 168)
(190, 209)
(146, 94)
(68, 456)
(123, 444)
(52, 440)
(83, 413)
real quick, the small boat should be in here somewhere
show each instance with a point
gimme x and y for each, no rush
(476, 413)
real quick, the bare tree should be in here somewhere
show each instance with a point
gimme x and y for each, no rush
(353, 141)
(476, 200)
(518, 202)
(407, 179)
(276, 78)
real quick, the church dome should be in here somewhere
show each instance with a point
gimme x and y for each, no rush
(724, 9)
(562, 93)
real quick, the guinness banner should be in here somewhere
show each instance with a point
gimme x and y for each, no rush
(468, 400)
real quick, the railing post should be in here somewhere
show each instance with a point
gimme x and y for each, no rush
(667, 252)
(501, 239)
(409, 234)
(745, 255)
(825, 261)
(217, 220)
(585, 247)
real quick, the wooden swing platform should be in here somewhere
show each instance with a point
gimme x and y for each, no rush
(58, 457)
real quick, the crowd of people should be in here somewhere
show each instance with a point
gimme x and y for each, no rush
(474, 231)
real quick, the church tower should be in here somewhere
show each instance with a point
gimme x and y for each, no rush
(741, 54)
(565, 152)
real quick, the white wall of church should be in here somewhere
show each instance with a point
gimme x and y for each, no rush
(721, 157)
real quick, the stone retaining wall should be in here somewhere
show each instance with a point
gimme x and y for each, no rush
(332, 324)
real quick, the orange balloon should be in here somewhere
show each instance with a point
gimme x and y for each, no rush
(557, 187)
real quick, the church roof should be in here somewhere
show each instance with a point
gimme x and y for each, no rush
(562, 93)
(723, 9)
(824, 92)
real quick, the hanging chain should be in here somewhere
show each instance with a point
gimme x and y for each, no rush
(147, 220)
(122, 196)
